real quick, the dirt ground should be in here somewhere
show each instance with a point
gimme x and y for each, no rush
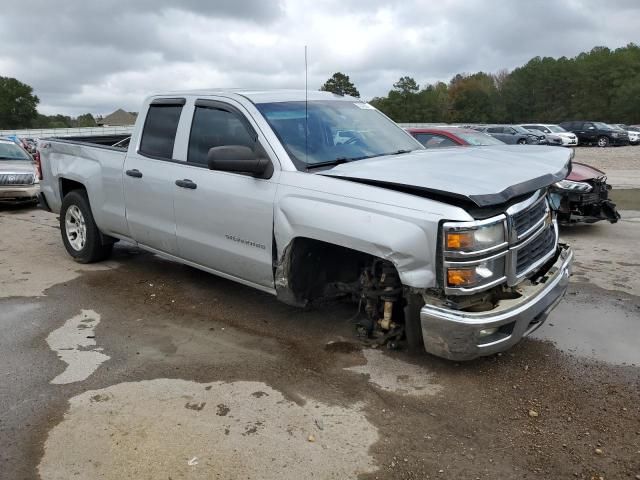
(143, 368)
(621, 164)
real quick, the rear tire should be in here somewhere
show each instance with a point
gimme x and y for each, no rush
(80, 234)
(603, 141)
(412, 323)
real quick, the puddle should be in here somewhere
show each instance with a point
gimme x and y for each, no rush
(167, 428)
(76, 346)
(392, 375)
(605, 331)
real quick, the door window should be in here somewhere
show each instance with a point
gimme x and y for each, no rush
(159, 133)
(494, 130)
(216, 127)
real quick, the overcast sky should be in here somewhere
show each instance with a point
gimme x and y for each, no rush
(95, 56)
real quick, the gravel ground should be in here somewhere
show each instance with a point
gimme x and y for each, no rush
(621, 164)
(612, 158)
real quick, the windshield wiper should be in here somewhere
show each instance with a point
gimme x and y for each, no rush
(330, 163)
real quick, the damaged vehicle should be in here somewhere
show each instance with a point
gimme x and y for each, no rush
(583, 197)
(319, 196)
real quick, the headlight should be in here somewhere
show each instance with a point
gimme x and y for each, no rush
(462, 238)
(573, 186)
(479, 273)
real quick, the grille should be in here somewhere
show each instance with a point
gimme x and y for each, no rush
(535, 250)
(523, 221)
(16, 178)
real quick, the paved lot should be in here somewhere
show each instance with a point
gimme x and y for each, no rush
(143, 368)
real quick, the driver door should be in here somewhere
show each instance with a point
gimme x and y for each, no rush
(224, 220)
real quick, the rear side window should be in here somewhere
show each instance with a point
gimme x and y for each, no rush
(214, 127)
(159, 133)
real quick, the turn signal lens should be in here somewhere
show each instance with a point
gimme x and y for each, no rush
(461, 277)
(459, 240)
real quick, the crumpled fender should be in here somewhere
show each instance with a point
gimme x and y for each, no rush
(401, 236)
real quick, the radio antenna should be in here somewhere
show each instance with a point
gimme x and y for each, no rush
(306, 105)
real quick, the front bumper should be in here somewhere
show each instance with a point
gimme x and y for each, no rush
(455, 334)
(19, 193)
(578, 207)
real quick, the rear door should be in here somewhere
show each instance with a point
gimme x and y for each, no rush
(149, 173)
(498, 132)
(589, 132)
(224, 220)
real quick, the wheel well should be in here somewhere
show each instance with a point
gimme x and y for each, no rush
(67, 186)
(308, 267)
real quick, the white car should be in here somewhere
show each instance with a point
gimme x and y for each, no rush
(568, 139)
(633, 132)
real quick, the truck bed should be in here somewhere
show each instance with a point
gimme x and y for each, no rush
(109, 141)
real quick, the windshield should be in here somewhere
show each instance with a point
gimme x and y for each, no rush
(556, 128)
(603, 126)
(10, 151)
(336, 131)
(478, 138)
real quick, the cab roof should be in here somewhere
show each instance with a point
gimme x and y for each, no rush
(263, 96)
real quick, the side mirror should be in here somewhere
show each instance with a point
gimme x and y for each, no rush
(592, 127)
(238, 159)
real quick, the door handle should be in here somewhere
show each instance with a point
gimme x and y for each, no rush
(135, 173)
(186, 183)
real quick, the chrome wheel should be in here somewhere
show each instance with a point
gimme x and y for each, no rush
(603, 141)
(75, 228)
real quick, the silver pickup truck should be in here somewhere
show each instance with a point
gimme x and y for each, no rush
(319, 196)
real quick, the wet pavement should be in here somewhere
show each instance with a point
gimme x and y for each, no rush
(143, 368)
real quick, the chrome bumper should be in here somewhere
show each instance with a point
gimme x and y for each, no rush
(19, 192)
(456, 335)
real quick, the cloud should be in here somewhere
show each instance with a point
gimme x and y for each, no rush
(98, 56)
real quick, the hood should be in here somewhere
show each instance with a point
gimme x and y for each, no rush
(484, 176)
(581, 172)
(17, 166)
(566, 134)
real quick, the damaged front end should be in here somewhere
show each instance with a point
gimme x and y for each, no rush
(583, 201)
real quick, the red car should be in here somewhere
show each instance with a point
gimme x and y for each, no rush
(582, 197)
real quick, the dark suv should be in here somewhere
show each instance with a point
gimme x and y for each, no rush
(597, 133)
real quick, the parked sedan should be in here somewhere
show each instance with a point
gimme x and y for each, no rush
(18, 174)
(582, 197)
(568, 139)
(436, 137)
(596, 133)
(633, 132)
(513, 134)
(549, 138)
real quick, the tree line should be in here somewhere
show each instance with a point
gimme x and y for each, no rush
(19, 109)
(601, 85)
